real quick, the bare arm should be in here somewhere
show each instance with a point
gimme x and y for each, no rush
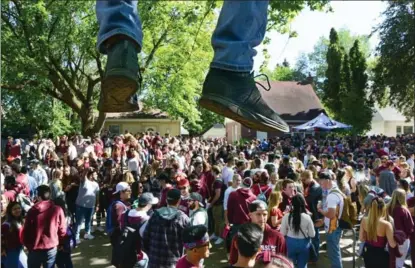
(330, 213)
(362, 232)
(389, 235)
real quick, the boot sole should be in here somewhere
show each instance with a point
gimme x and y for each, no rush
(243, 116)
(116, 93)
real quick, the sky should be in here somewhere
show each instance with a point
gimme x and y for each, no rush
(358, 16)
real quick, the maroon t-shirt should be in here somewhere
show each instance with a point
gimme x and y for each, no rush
(273, 241)
(163, 196)
(184, 263)
(184, 205)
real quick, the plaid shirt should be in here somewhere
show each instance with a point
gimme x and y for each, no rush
(162, 239)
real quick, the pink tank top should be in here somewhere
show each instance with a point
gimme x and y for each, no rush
(381, 243)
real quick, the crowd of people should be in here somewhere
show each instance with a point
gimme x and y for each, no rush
(163, 201)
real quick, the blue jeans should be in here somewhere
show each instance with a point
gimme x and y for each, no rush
(333, 248)
(45, 258)
(316, 243)
(298, 250)
(241, 27)
(81, 214)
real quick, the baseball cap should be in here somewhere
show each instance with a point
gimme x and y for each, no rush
(182, 183)
(197, 197)
(147, 198)
(257, 205)
(173, 194)
(121, 186)
(247, 182)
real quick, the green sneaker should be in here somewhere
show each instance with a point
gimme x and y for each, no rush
(122, 79)
(236, 96)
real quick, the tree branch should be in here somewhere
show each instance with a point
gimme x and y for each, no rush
(24, 27)
(61, 72)
(155, 47)
(97, 57)
(5, 19)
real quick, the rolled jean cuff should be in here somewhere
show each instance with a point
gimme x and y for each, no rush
(101, 39)
(231, 67)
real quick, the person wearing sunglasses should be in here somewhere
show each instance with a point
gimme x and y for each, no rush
(196, 244)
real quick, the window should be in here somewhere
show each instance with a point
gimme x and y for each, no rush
(398, 130)
(114, 129)
(408, 129)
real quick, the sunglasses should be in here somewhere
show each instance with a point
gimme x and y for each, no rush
(182, 188)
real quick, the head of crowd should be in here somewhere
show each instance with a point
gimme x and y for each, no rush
(165, 201)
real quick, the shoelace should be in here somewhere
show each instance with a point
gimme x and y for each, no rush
(269, 84)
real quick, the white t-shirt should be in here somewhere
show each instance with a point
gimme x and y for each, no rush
(307, 226)
(227, 174)
(133, 164)
(226, 196)
(333, 200)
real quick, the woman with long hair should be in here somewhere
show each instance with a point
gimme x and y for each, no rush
(398, 210)
(349, 177)
(274, 213)
(12, 253)
(56, 185)
(404, 185)
(298, 228)
(375, 232)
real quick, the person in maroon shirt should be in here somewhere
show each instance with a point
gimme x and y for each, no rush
(9, 145)
(44, 229)
(166, 185)
(184, 186)
(238, 212)
(21, 179)
(273, 242)
(262, 186)
(288, 191)
(196, 244)
(12, 251)
(411, 206)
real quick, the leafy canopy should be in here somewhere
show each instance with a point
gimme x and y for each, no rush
(394, 81)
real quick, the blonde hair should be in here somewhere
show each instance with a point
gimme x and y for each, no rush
(306, 174)
(299, 166)
(349, 171)
(377, 211)
(273, 201)
(398, 199)
(274, 175)
(278, 186)
(363, 192)
(56, 178)
(377, 163)
(128, 177)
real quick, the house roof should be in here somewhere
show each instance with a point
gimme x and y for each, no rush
(292, 100)
(388, 114)
(143, 114)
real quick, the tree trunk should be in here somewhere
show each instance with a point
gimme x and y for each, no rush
(91, 125)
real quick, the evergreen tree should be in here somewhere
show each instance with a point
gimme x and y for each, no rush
(356, 107)
(332, 83)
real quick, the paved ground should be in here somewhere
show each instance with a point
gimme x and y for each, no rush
(97, 254)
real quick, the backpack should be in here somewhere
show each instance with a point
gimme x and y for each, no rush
(349, 214)
(126, 249)
(262, 194)
(109, 225)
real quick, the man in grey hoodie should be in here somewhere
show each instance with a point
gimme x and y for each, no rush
(387, 180)
(162, 238)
